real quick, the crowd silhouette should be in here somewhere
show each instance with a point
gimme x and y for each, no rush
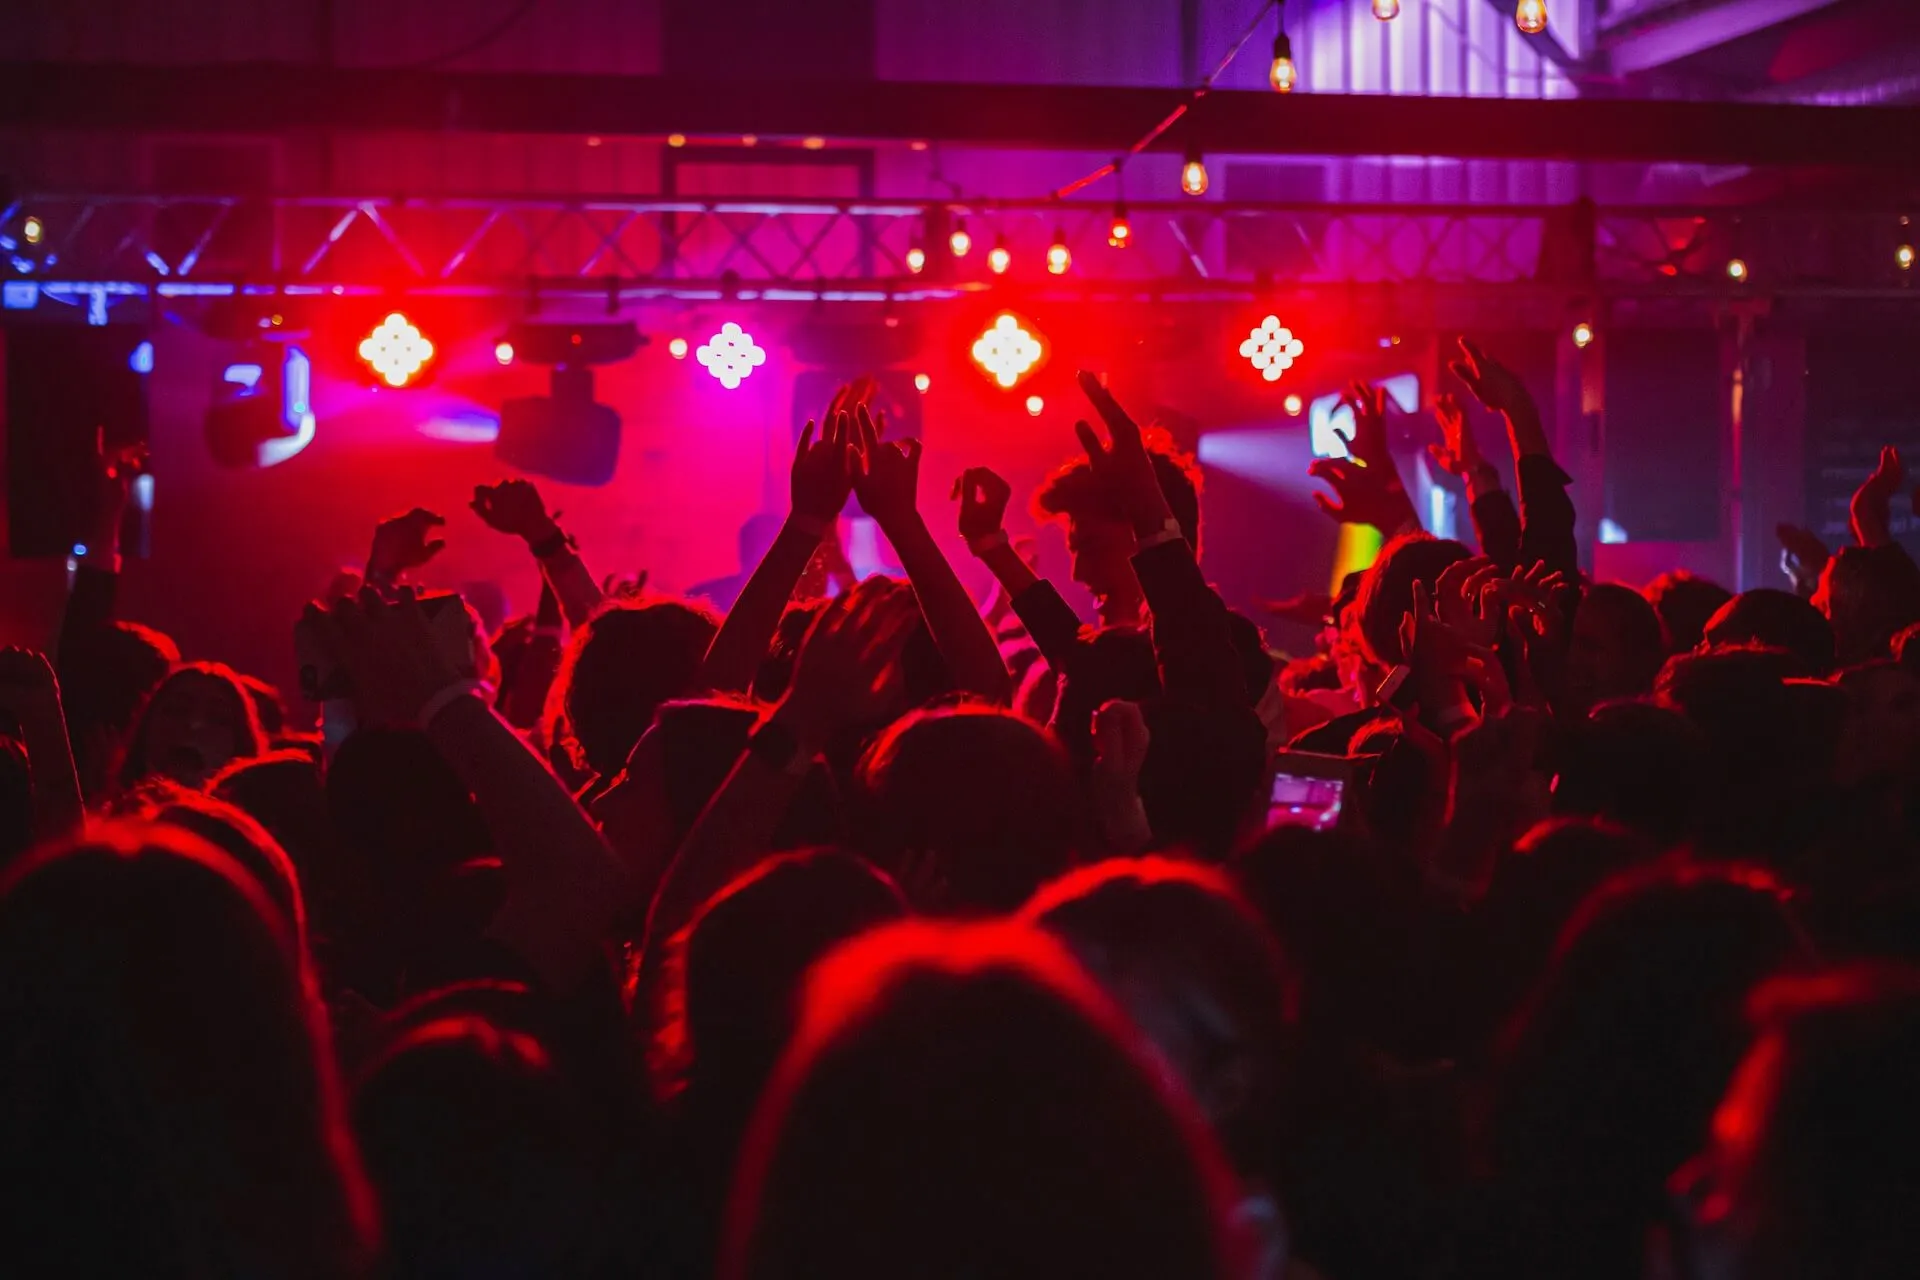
(1524, 926)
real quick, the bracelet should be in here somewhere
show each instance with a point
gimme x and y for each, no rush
(1169, 532)
(447, 697)
(986, 542)
(812, 526)
(552, 545)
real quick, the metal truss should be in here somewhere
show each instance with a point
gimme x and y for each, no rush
(861, 251)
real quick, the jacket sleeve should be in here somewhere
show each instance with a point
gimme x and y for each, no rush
(1191, 640)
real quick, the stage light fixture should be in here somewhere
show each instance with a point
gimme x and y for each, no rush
(1293, 404)
(814, 144)
(1059, 258)
(921, 382)
(1583, 335)
(677, 348)
(1903, 257)
(1386, 10)
(1737, 270)
(1120, 231)
(1530, 16)
(1271, 348)
(1283, 75)
(1007, 351)
(503, 352)
(396, 350)
(1034, 406)
(33, 230)
(960, 241)
(676, 139)
(261, 413)
(731, 355)
(749, 139)
(999, 258)
(916, 259)
(1193, 174)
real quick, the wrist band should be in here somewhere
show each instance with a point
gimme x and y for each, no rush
(986, 542)
(812, 526)
(551, 545)
(447, 697)
(1169, 532)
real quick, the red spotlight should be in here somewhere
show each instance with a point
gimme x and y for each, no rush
(396, 350)
(503, 352)
(1271, 348)
(1119, 231)
(1008, 351)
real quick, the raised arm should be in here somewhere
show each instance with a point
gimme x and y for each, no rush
(31, 695)
(1047, 618)
(1546, 512)
(564, 883)
(402, 544)
(1366, 482)
(524, 698)
(1496, 522)
(888, 486)
(840, 677)
(515, 507)
(821, 479)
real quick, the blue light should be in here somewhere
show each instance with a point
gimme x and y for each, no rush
(19, 295)
(157, 262)
(245, 375)
(299, 380)
(79, 548)
(141, 361)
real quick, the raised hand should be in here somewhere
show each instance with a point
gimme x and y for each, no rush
(1366, 485)
(1123, 465)
(1463, 601)
(1803, 557)
(515, 508)
(889, 482)
(1872, 503)
(849, 660)
(388, 652)
(1457, 453)
(823, 469)
(1492, 383)
(1120, 741)
(404, 542)
(983, 498)
(1367, 441)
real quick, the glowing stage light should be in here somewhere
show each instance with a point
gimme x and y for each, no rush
(731, 355)
(1120, 231)
(676, 139)
(960, 242)
(396, 350)
(749, 139)
(814, 144)
(1737, 270)
(921, 382)
(1293, 404)
(1903, 257)
(1193, 174)
(33, 229)
(1058, 257)
(1386, 10)
(1283, 75)
(1007, 352)
(1530, 16)
(1035, 405)
(1271, 348)
(677, 348)
(503, 352)
(999, 258)
(916, 259)
(141, 359)
(1583, 335)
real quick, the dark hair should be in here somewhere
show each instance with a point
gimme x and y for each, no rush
(1684, 602)
(1178, 939)
(1776, 619)
(1113, 664)
(1606, 1080)
(268, 706)
(284, 791)
(964, 1097)
(249, 739)
(106, 675)
(700, 742)
(1869, 594)
(228, 829)
(1386, 593)
(486, 1160)
(170, 1097)
(1637, 764)
(1074, 491)
(16, 799)
(1635, 628)
(1204, 779)
(984, 795)
(619, 668)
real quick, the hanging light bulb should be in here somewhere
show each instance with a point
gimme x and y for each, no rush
(1058, 257)
(999, 258)
(1119, 231)
(1283, 75)
(1903, 257)
(1530, 16)
(1737, 270)
(916, 259)
(1386, 10)
(1193, 174)
(960, 242)
(1583, 335)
